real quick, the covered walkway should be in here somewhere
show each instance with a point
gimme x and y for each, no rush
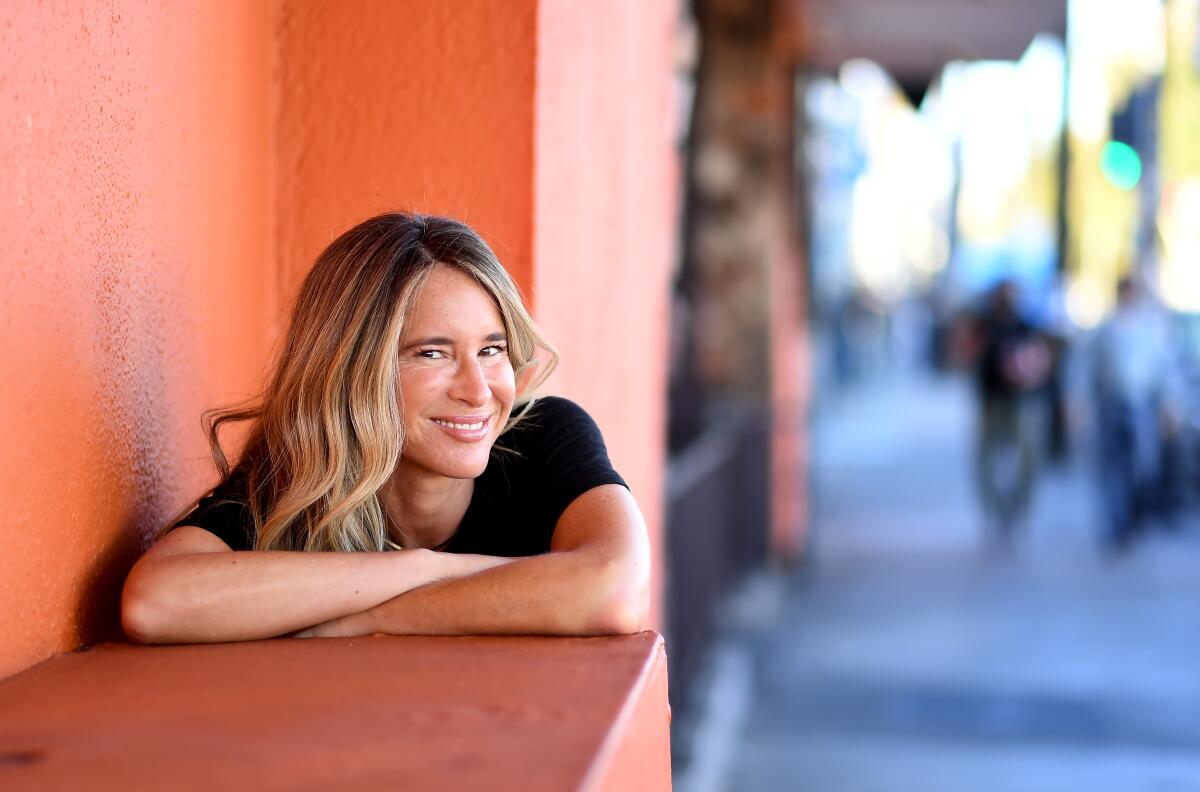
(908, 656)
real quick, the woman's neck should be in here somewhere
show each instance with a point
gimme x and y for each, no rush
(425, 511)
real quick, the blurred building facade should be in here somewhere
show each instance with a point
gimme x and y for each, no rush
(817, 202)
(736, 402)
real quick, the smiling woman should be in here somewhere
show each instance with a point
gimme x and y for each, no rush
(396, 478)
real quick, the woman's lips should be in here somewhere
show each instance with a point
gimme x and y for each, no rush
(465, 428)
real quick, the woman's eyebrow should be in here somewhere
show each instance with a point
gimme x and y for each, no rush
(431, 341)
(444, 341)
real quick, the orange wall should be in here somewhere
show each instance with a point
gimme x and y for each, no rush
(134, 170)
(605, 224)
(170, 171)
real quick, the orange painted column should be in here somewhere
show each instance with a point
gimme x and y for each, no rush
(135, 161)
(606, 176)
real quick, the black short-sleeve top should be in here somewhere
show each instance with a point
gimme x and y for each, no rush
(536, 469)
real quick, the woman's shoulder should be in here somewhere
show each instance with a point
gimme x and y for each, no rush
(553, 454)
(557, 408)
(225, 511)
(559, 438)
(551, 418)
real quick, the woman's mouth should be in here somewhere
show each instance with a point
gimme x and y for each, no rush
(465, 428)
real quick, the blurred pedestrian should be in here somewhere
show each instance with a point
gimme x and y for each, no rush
(1012, 361)
(1132, 377)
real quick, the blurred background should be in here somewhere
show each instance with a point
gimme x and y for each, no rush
(993, 585)
(889, 311)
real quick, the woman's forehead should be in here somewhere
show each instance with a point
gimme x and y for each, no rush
(449, 300)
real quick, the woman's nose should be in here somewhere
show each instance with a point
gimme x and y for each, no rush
(470, 384)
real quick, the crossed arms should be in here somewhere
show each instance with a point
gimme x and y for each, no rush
(190, 587)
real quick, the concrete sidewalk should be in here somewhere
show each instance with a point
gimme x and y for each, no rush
(907, 658)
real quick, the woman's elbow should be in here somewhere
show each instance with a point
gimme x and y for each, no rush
(625, 608)
(142, 612)
(622, 616)
(136, 620)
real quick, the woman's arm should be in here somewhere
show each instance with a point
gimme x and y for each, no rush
(594, 581)
(190, 587)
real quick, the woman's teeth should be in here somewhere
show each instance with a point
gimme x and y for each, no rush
(466, 426)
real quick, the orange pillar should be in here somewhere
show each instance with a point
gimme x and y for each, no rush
(606, 176)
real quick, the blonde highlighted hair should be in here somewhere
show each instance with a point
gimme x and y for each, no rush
(327, 430)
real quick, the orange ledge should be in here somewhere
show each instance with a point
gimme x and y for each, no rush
(384, 712)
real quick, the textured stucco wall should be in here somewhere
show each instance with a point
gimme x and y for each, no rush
(423, 105)
(605, 223)
(136, 290)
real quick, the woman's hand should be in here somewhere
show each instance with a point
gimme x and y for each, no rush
(334, 628)
(458, 565)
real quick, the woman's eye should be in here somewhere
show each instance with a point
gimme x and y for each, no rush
(493, 350)
(432, 354)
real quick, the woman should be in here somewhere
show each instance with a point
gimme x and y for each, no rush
(399, 418)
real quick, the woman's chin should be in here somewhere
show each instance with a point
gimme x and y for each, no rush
(431, 450)
(456, 466)
(465, 470)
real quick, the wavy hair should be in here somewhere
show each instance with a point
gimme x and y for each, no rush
(327, 430)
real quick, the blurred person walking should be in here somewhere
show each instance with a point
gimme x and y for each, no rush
(1133, 363)
(1012, 361)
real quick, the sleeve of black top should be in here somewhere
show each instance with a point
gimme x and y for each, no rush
(571, 454)
(224, 513)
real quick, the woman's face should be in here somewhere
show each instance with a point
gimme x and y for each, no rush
(456, 382)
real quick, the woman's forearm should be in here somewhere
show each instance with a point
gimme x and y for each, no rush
(237, 596)
(560, 593)
(595, 581)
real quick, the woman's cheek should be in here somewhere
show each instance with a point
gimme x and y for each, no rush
(503, 381)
